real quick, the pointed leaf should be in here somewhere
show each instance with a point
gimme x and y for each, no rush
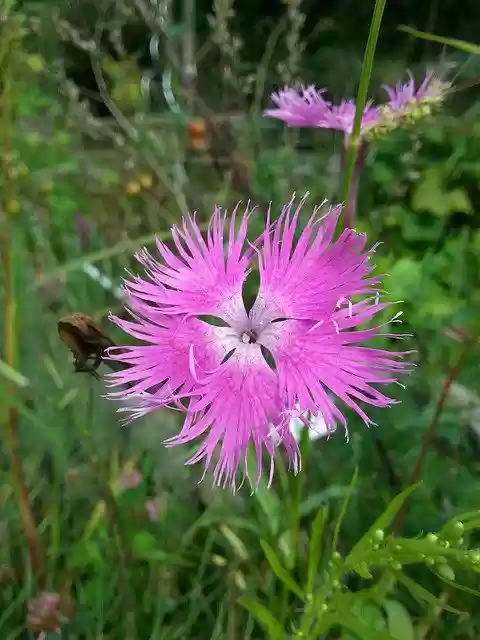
(369, 613)
(317, 500)
(266, 498)
(398, 620)
(456, 585)
(12, 375)
(235, 542)
(343, 510)
(263, 616)
(381, 523)
(421, 594)
(279, 570)
(362, 630)
(315, 548)
(468, 47)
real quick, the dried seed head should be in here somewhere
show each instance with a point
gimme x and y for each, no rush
(49, 612)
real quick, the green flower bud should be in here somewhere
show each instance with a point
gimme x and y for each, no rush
(446, 571)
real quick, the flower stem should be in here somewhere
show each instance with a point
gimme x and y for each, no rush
(348, 218)
(362, 93)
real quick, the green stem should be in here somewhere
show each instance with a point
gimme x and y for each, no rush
(362, 94)
(295, 516)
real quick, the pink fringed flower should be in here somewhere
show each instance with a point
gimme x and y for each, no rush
(303, 108)
(341, 116)
(308, 108)
(403, 96)
(241, 383)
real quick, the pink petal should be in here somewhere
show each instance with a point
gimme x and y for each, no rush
(306, 279)
(158, 372)
(235, 407)
(312, 364)
(305, 108)
(205, 276)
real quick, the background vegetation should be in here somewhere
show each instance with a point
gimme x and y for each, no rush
(115, 119)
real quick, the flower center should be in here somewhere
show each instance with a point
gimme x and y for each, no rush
(249, 337)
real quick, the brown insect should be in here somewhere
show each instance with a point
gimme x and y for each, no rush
(86, 340)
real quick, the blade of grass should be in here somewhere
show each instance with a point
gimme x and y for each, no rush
(468, 47)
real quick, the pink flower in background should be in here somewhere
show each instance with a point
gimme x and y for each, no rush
(302, 108)
(341, 116)
(308, 108)
(82, 229)
(241, 383)
(403, 96)
(154, 507)
(129, 479)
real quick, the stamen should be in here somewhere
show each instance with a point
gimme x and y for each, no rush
(249, 337)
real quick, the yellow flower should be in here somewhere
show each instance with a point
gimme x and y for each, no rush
(13, 207)
(146, 181)
(132, 188)
(36, 63)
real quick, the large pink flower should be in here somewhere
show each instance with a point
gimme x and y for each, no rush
(241, 383)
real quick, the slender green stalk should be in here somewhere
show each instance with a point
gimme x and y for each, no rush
(362, 94)
(294, 514)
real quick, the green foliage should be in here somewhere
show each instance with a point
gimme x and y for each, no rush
(143, 550)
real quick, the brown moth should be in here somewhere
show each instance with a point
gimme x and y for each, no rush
(85, 339)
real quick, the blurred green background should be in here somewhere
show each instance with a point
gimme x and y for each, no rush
(116, 118)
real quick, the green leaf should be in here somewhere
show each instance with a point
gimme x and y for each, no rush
(143, 544)
(362, 630)
(86, 553)
(429, 195)
(380, 524)
(213, 517)
(237, 545)
(10, 374)
(263, 616)
(398, 621)
(421, 594)
(458, 201)
(315, 548)
(266, 499)
(369, 613)
(463, 45)
(316, 500)
(280, 571)
(456, 585)
(344, 508)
